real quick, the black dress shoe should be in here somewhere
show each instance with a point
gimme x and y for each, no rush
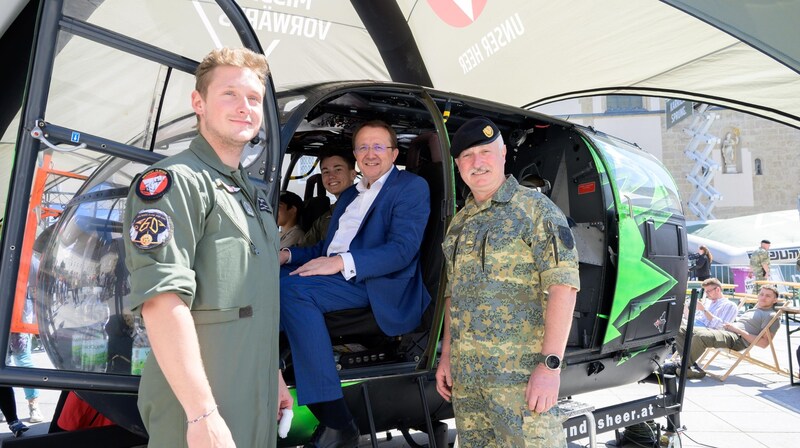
(325, 437)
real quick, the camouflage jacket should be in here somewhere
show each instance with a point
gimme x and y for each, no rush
(502, 256)
(757, 260)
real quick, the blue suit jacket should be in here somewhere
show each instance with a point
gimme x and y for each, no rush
(386, 250)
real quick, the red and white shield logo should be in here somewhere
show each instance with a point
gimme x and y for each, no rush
(458, 13)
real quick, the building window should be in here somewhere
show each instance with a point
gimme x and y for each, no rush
(758, 167)
(624, 103)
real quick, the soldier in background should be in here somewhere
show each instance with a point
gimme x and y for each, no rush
(512, 280)
(759, 261)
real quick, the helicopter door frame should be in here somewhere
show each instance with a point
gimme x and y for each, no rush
(30, 140)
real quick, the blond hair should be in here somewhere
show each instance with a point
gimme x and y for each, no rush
(774, 289)
(235, 57)
(711, 281)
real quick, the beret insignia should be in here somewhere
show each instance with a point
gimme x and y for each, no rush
(474, 132)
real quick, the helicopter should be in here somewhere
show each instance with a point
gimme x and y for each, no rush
(73, 168)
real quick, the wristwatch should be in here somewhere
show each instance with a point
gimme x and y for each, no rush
(552, 362)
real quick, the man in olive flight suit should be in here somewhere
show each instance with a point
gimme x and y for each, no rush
(512, 280)
(203, 256)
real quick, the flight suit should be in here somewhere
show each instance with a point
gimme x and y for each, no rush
(502, 256)
(210, 237)
(757, 260)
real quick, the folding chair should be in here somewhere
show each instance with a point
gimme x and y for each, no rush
(745, 354)
(744, 300)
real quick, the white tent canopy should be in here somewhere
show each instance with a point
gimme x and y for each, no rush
(734, 53)
(526, 52)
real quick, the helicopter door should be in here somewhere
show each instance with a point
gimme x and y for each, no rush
(106, 93)
(650, 262)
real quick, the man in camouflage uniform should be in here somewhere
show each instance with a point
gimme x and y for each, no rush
(512, 279)
(759, 261)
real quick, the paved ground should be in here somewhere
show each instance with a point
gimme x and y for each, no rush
(753, 408)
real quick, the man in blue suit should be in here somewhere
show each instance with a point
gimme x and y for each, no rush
(369, 258)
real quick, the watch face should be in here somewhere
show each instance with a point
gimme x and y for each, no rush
(552, 362)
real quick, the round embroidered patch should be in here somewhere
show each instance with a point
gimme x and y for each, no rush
(153, 184)
(150, 228)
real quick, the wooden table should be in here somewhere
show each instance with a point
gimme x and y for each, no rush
(791, 295)
(793, 285)
(792, 314)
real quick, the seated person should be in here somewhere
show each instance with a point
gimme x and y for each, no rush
(737, 335)
(289, 209)
(369, 258)
(338, 173)
(716, 310)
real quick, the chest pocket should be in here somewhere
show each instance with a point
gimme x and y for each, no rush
(466, 250)
(506, 256)
(231, 206)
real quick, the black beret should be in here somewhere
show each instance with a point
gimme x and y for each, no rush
(475, 132)
(765, 241)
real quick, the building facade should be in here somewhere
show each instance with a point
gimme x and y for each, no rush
(757, 160)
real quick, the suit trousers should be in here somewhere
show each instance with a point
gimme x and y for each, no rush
(304, 301)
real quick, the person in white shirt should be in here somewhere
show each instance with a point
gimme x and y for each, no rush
(716, 310)
(369, 258)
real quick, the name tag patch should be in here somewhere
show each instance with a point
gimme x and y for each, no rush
(248, 208)
(150, 228)
(153, 184)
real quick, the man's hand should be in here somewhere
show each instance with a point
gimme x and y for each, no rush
(285, 400)
(210, 432)
(283, 257)
(542, 390)
(320, 266)
(732, 328)
(444, 382)
(700, 306)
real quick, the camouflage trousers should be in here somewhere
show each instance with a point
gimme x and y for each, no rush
(489, 416)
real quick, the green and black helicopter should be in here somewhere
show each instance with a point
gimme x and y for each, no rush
(77, 148)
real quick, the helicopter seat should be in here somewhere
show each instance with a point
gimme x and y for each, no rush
(424, 159)
(315, 201)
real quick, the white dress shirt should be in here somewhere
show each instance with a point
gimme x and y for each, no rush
(351, 220)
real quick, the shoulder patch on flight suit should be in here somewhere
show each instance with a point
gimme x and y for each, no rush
(150, 228)
(565, 235)
(153, 184)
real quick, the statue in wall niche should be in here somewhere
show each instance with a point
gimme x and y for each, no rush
(729, 151)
